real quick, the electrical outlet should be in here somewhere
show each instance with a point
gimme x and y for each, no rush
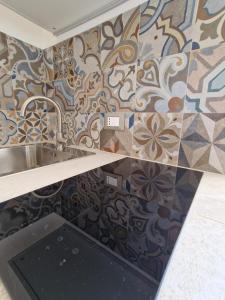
(114, 121)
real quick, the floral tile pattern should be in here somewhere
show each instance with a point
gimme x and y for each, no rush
(161, 84)
(92, 91)
(203, 142)
(166, 27)
(117, 141)
(120, 82)
(82, 95)
(3, 54)
(8, 127)
(63, 60)
(82, 129)
(64, 94)
(33, 128)
(24, 88)
(153, 182)
(157, 136)
(119, 39)
(206, 81)
(24, 60)
(210, 24)
(14, 129)
(152, 233)
(87, 51)
(48, 66)
(6, 93)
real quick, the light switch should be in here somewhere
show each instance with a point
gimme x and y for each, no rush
(113, 121)
(111, 181)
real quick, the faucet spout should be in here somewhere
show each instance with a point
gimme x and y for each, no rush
(59, 133)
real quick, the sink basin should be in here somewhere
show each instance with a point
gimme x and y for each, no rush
(21, 158)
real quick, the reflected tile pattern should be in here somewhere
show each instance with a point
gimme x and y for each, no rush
(139, 219)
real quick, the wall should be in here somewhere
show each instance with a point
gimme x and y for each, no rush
(24, 71)
(162, 65)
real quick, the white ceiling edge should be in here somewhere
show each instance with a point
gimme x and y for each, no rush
(17, 26)
(21, 28)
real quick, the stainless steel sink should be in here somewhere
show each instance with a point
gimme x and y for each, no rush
(21, 158)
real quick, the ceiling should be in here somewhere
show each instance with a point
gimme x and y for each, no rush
(60, 16)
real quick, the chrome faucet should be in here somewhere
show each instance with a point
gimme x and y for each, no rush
(59, 135)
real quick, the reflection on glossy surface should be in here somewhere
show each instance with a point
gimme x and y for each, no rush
(140, 219)
(22, 158)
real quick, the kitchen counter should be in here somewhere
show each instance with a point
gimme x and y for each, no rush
(24, 182)
(196, 268)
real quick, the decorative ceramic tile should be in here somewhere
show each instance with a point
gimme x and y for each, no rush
(166, 27)
(203, 142)
(8, 127)
(209, 27)
(63, 50)
(157, 136)
(64, 64)
(117, 141)
(24, 88)
(82, 129)
(64, 94)
(120, 83)
(87, 51)
(161, 84)
(93, 91)
(33, 128)
(119, 39)
(24, 60)
(6, 93)
(206, 80)
(153, 182)
(3, 54)
(48, 66)
(82, 95)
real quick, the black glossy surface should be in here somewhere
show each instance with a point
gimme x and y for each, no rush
(79, 269)
(139, 220)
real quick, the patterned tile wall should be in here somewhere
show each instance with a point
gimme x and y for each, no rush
(24, 72)
(161, 64)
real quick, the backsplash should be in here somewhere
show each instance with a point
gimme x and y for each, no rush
(161, 65)
(24, 71)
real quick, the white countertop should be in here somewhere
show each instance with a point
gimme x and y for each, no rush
(21, 183)
(196, 270)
